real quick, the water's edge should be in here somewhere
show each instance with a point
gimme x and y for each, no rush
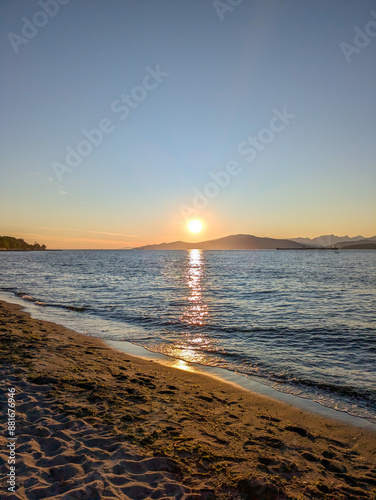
(243, 381)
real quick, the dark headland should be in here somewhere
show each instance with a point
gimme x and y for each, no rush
(8, 243)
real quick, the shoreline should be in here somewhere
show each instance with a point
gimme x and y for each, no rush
(247, 383)
(250, 383)
(196, 436)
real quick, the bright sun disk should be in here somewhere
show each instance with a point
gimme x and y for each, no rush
(195, 226)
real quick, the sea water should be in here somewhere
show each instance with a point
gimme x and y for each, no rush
(302, 322)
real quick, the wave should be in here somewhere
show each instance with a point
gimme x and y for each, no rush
(175, 325)
(40, 303)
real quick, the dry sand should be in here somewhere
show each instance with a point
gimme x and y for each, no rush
(94, 423)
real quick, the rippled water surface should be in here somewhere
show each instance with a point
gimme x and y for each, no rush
(302, 321)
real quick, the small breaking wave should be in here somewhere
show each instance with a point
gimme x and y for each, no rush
(40, 303)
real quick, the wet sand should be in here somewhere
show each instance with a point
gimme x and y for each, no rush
(95, 423)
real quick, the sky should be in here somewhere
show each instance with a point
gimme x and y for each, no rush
(122, 120)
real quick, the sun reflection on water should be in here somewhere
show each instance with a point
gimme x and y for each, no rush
(182, 365)
(197, 310)
(184, 353)
(194, 343)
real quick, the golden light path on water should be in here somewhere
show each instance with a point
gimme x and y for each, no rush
(190, 348)
(197, 310)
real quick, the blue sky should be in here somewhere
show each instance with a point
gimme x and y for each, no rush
(222, 73)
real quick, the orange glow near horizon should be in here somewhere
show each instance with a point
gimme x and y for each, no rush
(102, 237)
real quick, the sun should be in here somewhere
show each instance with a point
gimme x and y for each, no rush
(194, 226)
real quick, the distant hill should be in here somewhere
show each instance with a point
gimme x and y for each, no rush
(327, 240)
(364, 244)
(10, 243)
(361, 246)
(234, 242)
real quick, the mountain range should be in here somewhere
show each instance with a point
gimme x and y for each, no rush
(328, 240)
(250, 242)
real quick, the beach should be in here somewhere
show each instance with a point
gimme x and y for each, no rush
(92, 422)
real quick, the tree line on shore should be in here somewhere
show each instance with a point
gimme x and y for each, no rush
(10, 243)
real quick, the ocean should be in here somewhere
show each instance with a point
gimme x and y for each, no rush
(302, 322)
